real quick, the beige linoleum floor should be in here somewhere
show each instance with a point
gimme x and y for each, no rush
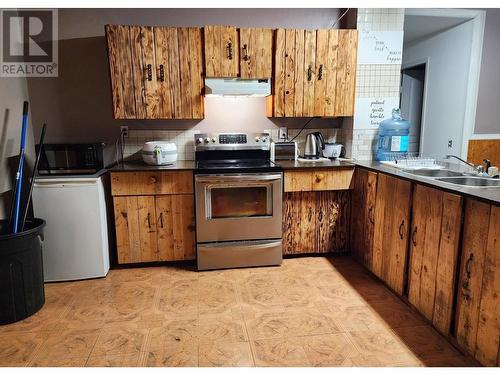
(309, 312)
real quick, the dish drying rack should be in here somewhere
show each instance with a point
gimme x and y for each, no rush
(413, 161)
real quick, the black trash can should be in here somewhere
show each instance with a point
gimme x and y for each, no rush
(21, 271)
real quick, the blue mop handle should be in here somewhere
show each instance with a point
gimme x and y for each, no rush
(19, 175)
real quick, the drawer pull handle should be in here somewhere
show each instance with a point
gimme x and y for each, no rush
(153, 179)
(319, 177)
(401, 227)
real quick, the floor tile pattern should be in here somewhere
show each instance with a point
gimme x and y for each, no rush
(312, 311)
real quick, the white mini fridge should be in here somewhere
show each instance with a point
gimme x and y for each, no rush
(76, 236)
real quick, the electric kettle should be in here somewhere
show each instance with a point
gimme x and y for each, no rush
(315, 143)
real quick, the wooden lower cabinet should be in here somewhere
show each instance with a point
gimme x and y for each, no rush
(154, 228)
(363, 201)
(391, 227)
(175, 227)
(315, 222)
(135, 229)
(434, 249)
(478, 306)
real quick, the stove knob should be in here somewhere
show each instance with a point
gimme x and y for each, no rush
(199, 140)
(207, 140)
(214, 140)
(264, 139)
(257, 139)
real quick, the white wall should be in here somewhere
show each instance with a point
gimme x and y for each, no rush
(488, 108)
(448, 56)
(13, 92)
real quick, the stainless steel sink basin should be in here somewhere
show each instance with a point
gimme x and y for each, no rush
(433, 172)
(471, 181)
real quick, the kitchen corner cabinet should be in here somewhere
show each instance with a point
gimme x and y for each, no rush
(434, 249)
(315, 73)
(362, 215)
(478, 306)
(231, 52)
(156, 72)
(154, 216)
(316, 211)
(391, 229)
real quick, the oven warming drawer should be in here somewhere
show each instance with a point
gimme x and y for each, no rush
(239, 254)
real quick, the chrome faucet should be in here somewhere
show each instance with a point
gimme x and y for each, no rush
(478, 169)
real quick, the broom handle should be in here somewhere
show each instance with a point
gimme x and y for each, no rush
(33, 175)
(19, 175)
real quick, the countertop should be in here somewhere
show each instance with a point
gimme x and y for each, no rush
(139, 165)
(322, 163)
(491, 194)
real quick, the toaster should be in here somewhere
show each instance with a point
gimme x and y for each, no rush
(159, 153)
(284, 151)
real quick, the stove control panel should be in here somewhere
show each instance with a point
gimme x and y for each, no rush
(206, 141)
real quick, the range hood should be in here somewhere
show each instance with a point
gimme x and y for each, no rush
(237, 87)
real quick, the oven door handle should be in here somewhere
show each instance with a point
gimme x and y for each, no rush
(263, 244)
(223, 179)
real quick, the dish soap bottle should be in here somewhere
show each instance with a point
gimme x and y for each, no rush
(393, 137)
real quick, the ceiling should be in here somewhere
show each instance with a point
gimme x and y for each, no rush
(417, 28)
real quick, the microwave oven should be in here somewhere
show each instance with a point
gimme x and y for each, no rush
(70, 158)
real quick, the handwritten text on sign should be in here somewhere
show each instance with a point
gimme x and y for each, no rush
(380, 47)
(369, 112)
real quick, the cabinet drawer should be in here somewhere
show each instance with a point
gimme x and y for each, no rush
(155, 182)
(318, 180)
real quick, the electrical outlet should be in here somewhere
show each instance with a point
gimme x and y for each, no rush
(124, 131)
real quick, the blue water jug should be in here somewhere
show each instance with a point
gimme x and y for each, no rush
(393, 137)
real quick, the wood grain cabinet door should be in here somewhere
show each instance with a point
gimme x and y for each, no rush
(221, 51)
(345, 86)
(135, 229)
(147, 98)
(362, 215)
(175, 225)
(122, 72)
(391, 228)
(435, 236)
(478, 306)
(256, 53)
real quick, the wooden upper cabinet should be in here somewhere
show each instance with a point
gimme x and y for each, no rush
(434, 245)
(315, 72)
(156, 72)
(122, 71)
(256, 53)
(478, 303)
(221, 51)
(391, 227)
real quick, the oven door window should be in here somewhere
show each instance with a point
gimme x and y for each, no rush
(240, 201)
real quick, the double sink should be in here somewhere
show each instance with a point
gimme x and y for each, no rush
(456, 178)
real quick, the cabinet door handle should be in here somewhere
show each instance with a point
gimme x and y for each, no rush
(153, 179)
(309, 73)
(161, 219)
(244, 51)
(320, 72)
(149, 70)
(162, 73)
(401, 227)
(468, 265)
(149, 220)
(414, 236)
(229, 50)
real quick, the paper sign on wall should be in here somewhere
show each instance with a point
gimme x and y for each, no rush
(380, 47)
(369, 112)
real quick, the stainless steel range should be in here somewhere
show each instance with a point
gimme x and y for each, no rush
(238, 201)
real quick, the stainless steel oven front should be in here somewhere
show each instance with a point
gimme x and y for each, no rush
(232, 207)
(238, 219)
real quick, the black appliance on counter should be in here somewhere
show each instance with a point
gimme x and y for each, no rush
(238, 193)
(71, 158)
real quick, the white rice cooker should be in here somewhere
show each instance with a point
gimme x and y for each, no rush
(159, 153)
